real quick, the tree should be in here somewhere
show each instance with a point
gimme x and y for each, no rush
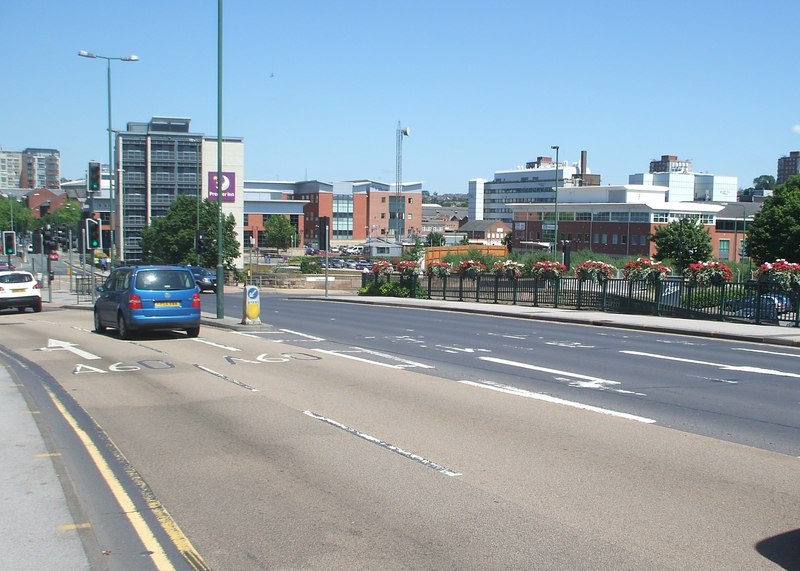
(23, 219)
(774, 232)
(764, 182)
(170, 239)
(435, 239)
(508, 241)
(279, 232)
(683, 241)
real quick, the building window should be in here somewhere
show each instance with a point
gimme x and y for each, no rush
(605, 239)
(724, 249)
(383, 215)
(615, 239)
(596, 238)
(660, 216)
(624, 238)
(634, 239)
(383, 199)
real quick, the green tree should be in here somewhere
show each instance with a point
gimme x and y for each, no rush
(170, 239)
(764, 182)
(279, 232)
(435, 239)
(416, 251)
(23, 219)
(683, 241)
(774, 232)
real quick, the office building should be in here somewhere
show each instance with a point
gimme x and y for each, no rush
(684, 185)
(159, 161)
(788, 166)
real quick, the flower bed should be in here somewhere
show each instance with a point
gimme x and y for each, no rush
(595, 271)
(507, 269)
(438, 269)
(547, 269)
(786, 274)
(708, 273)
(471, 268)
(408, 268)
(645, 269)
(382, 267)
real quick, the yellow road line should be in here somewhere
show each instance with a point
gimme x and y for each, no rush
(151, 543)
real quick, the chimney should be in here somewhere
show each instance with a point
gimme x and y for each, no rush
(583, 163)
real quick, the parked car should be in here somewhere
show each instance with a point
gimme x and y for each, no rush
(21, 290)
(148, 298)
(750, 301)
(785, 304)
(6, 267)
(206, 279)
(53, 256)
(768, 309)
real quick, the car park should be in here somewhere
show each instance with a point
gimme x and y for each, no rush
(205, 278)
(20, 290)
(750, 301)
(148, 298)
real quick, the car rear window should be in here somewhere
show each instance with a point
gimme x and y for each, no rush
(164, 280)
(16, 279)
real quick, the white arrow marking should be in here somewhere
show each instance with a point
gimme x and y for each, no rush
(57, 345)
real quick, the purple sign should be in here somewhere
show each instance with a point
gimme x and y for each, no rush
(228, 186)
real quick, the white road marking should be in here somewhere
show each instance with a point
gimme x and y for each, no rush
(587, 382)
(555, 400)
(571, 345)
(219, 345)
(795, 355)
(57, 345)
(227, 378)
(724, 366)
(410, 455)
(347, 355)
(250, 335)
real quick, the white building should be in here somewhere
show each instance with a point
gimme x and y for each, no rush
(488, 200)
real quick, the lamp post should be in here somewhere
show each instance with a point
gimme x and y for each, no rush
(555, 210)
(111, 172)
(399, 201)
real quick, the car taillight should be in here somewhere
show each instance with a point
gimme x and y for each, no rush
(134, 302)
(36, 285)
(196, 300)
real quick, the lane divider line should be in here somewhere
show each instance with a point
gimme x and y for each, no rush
(410, 455)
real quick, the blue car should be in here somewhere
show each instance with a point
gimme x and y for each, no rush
(148, 298)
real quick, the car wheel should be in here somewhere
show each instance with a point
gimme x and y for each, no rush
(37, 307)
(21, 309)
(98, 327)
(122, 327)
(192, 331)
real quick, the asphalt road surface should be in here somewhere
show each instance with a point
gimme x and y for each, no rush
(268, 453)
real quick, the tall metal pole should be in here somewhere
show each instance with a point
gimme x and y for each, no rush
(111, 170)
(220, 268)
(111, 175)
(555, 231)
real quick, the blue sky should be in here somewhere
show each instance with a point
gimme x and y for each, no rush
(316, 88)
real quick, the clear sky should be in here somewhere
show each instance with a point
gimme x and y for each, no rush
(316, 88)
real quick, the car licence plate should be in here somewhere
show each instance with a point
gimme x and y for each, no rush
(168, 304)
(18, 290)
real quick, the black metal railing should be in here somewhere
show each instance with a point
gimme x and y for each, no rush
(753, 301)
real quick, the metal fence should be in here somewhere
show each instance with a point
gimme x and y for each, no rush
(752, 301)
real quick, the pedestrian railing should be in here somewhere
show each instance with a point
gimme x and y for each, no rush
(752, 301)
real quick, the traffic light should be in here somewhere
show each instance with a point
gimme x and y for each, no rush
(49, 243)
(9, 242)
(200, 243)
(322, 236)
(94, 177)
(94, 239)
(37, 241)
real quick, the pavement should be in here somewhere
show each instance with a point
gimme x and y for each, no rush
(42, 539)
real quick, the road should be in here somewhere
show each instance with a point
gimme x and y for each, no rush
(267, 452)
(742, 392)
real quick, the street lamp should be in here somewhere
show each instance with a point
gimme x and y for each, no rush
(555, 210)
(111, 171)
(399, 201)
